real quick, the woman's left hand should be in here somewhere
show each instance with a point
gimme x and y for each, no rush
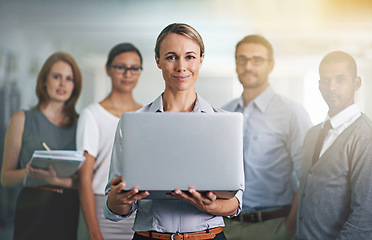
(206, 202)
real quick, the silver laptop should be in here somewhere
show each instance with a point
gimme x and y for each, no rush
(167, 151)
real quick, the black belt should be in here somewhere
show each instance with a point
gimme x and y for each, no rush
(261, 216)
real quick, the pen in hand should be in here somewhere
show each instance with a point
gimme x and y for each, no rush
(45, 146)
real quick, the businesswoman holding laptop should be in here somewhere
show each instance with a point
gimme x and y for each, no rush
(49, 211)
(179, 53)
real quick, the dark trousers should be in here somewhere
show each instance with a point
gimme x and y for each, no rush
(42, 214)
(220, 236)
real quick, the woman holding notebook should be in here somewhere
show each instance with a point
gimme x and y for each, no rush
(49, 211)
(179, 53)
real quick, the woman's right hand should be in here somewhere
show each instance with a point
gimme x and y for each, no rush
(119, 201)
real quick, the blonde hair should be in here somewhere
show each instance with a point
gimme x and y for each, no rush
(182, 29)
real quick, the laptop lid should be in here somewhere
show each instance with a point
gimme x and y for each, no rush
(167, 151)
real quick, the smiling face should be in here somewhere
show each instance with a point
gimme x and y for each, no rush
(124, 80)
(180, 61)
(60, 82)
(337, 86)
(253, 74)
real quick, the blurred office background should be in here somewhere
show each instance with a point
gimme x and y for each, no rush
(301, 32)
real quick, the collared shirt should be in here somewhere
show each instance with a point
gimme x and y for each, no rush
(274, 129)
(166, 215)
(335, 193)
(339, 123)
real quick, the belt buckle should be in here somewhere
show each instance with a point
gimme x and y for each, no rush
(255, 217)
(174, 234)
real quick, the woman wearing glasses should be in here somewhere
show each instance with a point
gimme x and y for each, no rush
(95, 135)
(179, 54)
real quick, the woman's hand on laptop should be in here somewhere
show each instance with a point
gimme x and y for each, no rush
(119, 200)
(207, 202)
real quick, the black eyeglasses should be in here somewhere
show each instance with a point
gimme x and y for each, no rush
(256, 61)
(123, 69)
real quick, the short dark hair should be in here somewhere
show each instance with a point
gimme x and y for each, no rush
(340, 56)
(119, 49)
(182, 29)
(258, 40)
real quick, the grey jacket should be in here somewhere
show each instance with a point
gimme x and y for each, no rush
(335, 198)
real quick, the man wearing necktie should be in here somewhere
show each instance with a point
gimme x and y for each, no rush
(335, 195)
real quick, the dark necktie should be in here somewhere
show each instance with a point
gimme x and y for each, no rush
(319, 144)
